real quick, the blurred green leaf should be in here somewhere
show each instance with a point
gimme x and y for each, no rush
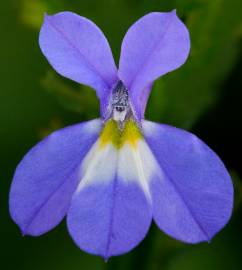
(32, 12)
(207, 256)
(76, 98)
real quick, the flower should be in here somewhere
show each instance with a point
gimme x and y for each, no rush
(112, 175)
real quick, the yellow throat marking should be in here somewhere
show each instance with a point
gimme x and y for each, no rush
(111, 133)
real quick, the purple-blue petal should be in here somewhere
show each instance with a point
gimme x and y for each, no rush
(109, 219)
(156, 44)
(193, 195)
(78, 50)
(139, 103)
(47, 176)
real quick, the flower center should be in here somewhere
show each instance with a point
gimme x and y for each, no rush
(130, 133)
(120, 102)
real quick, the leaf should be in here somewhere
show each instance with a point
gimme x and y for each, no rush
(78, 99)
(31, 13)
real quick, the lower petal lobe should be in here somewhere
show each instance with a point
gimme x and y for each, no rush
(192, 194)
(109, 215)
(47, 176)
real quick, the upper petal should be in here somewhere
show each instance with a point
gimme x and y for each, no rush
(156, 44)
(78, 50)
(47, 176)
(192, 194)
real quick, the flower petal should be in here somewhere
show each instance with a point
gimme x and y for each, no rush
(109, 215)
(193, 193)
(78, 50)
(47, 176)
(156, 44)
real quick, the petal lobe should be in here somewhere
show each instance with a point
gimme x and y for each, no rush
(78, 50)
(156, 44)
(193, 197)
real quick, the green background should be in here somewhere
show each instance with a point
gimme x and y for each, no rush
(204, 96)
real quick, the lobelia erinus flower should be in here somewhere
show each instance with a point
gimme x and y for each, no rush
(112, 175)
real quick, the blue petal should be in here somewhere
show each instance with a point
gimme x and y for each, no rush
(47, 176)
(109, 215)
(78, 50)
(193, 193)
(153, 46)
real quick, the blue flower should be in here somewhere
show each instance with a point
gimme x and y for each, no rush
(112, 175)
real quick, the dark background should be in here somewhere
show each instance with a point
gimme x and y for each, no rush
(204, 96)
